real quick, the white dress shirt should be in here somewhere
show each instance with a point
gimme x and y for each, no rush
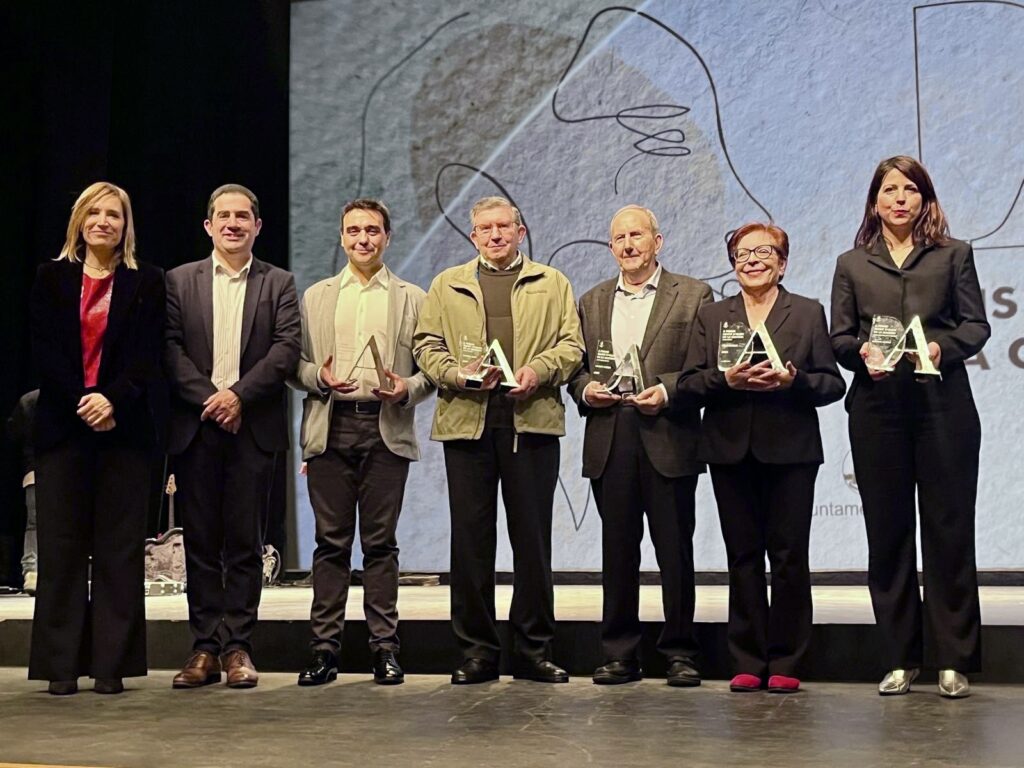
(631, 310)
(228, 302)
(361, 312)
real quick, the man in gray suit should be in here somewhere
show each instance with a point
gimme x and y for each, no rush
(639, 456)
(232, 339)
(358, 435)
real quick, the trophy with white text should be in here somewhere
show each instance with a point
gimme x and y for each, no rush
(888, 342)
(604, 364)
(477, 361)
(628, 377)
(737, 344)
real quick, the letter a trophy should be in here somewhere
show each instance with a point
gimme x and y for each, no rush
(737, 344)
(887, 343)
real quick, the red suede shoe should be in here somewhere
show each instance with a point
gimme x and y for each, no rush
(745, 684)
(783, 684)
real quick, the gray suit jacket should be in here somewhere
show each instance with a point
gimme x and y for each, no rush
(269, 351)
(397, 425)
(670, 438)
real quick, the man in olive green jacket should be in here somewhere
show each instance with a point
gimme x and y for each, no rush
(496, 430)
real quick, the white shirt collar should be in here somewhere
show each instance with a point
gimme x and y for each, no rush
(348, 276)
(220, 266)
(650, 285)
(515, 263)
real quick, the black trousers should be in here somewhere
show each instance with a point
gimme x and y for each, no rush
(92, 499)
(224, 491)
(629, 487)
(527, 469)
(912, 436)
(767, 508)
(357, 471)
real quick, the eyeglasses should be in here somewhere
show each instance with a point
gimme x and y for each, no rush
(762, 252)
(484, 230)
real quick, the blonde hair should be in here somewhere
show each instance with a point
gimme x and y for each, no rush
(486, 203)
(74, 246)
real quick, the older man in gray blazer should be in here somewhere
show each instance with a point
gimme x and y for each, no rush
(358, 435)
(640, 456)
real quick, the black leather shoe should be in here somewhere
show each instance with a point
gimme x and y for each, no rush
(617, 672)
(62, 687)
(386, 670)
(108, 685)
(475, 671)
(682, 673)
(323, 668)
(540, 672)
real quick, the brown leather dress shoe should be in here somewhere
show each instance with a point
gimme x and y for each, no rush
(201, 668)
(239, 669)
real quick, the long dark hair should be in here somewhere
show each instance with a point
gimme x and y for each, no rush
(931, 227)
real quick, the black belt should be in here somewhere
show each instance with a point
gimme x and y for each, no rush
(368, 407)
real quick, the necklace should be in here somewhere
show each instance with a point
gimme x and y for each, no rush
(102, 270)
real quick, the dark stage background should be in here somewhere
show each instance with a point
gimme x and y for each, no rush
(165, 99)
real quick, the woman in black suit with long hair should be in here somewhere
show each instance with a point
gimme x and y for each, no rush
(97, 334)
(911, 433)
(760, 439)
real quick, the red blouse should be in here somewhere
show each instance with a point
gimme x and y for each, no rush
(92, 311)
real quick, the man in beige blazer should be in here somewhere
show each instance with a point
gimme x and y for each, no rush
(358, 435)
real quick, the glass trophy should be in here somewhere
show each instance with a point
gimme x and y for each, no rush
(737, 344)
(888, 342)
(628, 377)
(477, 361)
(734, 342)
(604, 362)
(346, 361)
(383, 382)
(885, 343)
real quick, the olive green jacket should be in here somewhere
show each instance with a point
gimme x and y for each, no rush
(547, 338)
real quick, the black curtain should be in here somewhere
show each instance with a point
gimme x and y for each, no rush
(165, 99)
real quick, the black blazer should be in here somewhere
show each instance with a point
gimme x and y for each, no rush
(271, 337)
(670, 438)
(130, 376)
(937, 282)
(776, 427)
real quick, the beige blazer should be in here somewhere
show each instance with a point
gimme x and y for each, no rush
(397, 425)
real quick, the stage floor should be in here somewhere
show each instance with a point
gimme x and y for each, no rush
(1003, 606)
(512, 724)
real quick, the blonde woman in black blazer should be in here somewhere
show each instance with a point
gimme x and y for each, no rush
(760, 439)
(915, 434)
(97, 332)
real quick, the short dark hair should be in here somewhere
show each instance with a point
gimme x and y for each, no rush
(369, 204)
(227, 189)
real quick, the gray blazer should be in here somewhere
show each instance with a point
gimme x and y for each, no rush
(270, 348)
(670, 438)
(397, 425)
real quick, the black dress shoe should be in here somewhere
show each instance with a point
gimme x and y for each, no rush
(108, 685)
(475, 671)
(540, 672)
(618, 672)
(63, 687)
(682, 673)
(323, 668)
(386, 670)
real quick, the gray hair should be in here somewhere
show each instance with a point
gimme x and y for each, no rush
(646, 211)
(486, 203)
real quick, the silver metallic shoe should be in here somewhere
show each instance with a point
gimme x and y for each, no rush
(897, 682)
(953, 684)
